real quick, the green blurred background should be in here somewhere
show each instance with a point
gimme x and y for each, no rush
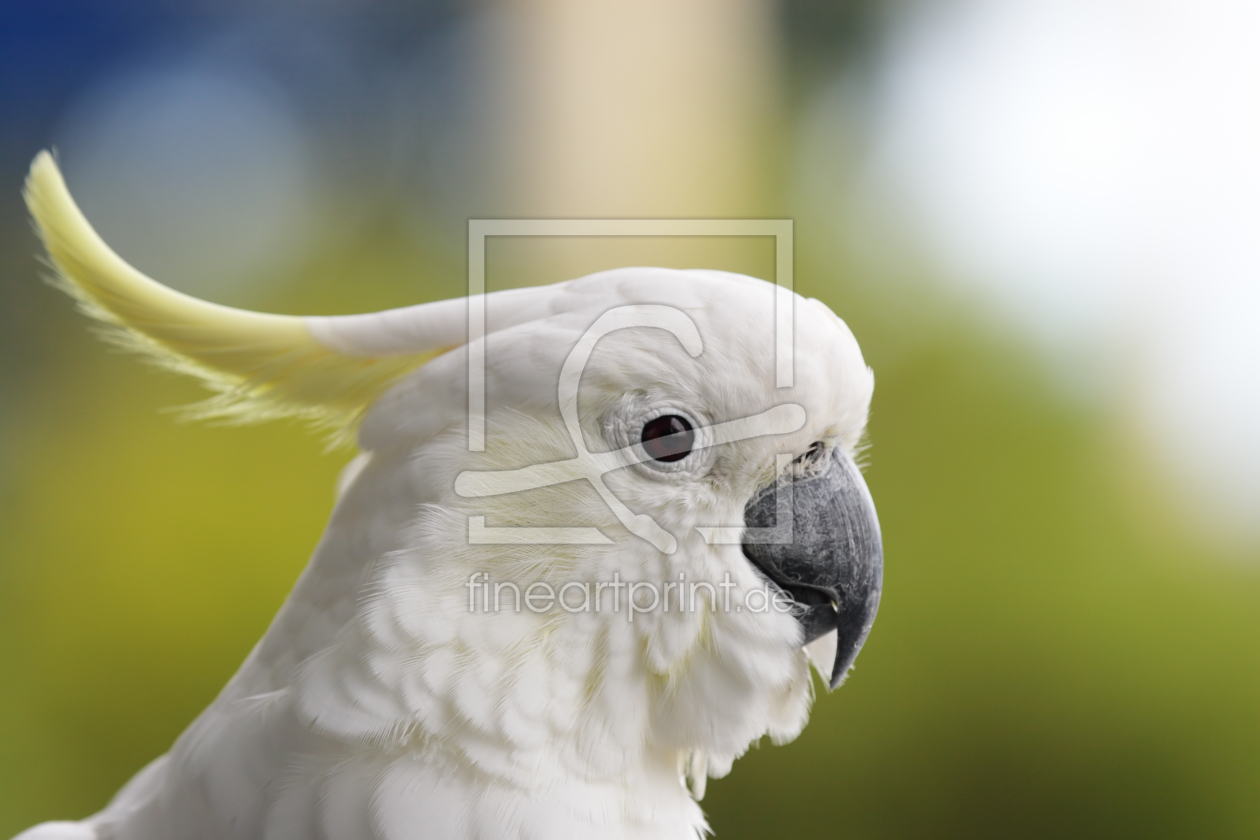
(1067, 646)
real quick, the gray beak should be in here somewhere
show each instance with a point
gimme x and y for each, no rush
(815, 535)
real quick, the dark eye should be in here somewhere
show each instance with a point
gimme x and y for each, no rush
(668, 438)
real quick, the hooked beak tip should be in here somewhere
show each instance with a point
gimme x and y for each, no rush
(829, 559)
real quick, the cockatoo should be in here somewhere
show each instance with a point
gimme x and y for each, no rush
(705, 533)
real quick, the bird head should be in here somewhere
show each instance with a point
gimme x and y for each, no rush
(631, 505)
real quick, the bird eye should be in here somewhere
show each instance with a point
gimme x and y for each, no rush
(668, 438)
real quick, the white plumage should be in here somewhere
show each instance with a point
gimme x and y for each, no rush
(378, 706)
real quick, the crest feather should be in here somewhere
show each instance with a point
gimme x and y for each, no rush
(261, 366)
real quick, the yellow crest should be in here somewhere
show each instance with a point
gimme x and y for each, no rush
(261, 366)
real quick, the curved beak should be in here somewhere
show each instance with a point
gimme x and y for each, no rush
(815, 535)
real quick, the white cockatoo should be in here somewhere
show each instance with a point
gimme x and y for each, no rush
(699, 523)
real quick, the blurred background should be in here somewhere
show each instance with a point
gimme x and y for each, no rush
(1041, 218)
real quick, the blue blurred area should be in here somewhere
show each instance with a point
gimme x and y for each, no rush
(49, 50)
(335, 59)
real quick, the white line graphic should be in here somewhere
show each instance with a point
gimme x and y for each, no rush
(591, 466)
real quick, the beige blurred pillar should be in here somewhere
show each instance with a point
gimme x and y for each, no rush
(652, 108)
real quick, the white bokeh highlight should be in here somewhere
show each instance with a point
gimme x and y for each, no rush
(1090, 170)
